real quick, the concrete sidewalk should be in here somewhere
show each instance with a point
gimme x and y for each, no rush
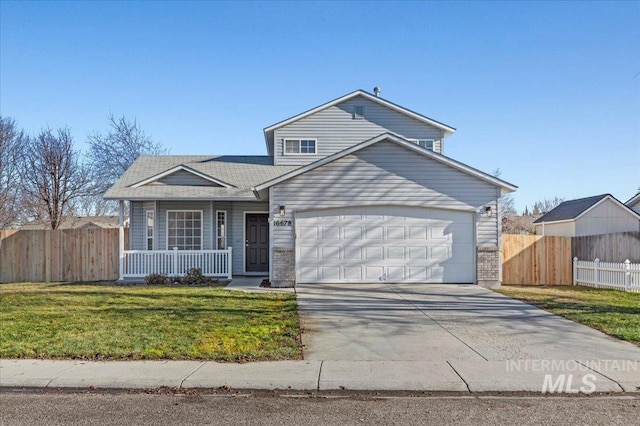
(443, 376)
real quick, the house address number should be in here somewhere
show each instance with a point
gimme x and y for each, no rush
(282, 223)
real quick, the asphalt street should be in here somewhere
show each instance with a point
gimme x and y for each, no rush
(51, 408)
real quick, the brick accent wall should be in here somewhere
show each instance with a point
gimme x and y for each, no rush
(488, 264)
(284, 267)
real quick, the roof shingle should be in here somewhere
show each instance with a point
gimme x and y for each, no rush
(570, 209)
(241, 171)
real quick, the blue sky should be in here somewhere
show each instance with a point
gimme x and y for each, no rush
(544, 91)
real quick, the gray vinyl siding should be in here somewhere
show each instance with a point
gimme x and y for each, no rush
(236, 228)
(386, 174)
(335, 130)
(137, 226)
(183, 177)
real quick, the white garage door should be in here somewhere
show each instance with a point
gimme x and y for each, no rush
(393, 244)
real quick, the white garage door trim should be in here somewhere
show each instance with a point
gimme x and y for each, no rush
(385, 243)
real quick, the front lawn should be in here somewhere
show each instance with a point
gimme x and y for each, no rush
(616, 313)
(96, 321)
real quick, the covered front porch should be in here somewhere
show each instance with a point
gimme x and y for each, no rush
(170, 237)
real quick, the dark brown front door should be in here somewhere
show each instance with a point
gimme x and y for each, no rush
(257, 243)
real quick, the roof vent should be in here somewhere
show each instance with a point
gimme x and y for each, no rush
(377, 91)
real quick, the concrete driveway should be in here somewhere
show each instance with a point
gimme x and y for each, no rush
(411, 322)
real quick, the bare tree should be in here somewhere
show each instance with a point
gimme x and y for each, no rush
(110, 155)
(545, 205)
(53, 176)
(507, 203)
(12, 142)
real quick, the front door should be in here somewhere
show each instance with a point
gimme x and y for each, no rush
(257, 243)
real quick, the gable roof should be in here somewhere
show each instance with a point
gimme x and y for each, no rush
(506, 186)
(574, 209)
(268, 131)
(633, 200)
(238, 172)
(187, 169)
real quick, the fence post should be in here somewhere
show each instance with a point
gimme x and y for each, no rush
(229, 263)
(597, 272)
(575, 271)
(627, 275)
(175, 261)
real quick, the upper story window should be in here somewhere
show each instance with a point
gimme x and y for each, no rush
(425, 143)
(300, 146)
(358, 112)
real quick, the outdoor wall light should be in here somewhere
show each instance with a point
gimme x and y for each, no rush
(282, 211)
(488, 211)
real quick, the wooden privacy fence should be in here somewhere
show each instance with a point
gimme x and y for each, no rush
(536, 260)
(59, 255)
(608, 247)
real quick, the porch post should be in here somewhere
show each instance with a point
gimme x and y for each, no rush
(229, 263)
(121, 238)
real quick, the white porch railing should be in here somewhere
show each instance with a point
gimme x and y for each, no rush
(619, 276)
(140, 263)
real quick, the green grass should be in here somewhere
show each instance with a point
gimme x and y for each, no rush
(97, 321)
(613, 312)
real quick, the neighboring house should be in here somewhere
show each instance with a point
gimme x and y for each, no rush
(76, 222)
(601, 214)
(634, 203)
(354, 190)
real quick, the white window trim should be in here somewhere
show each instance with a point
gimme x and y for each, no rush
(432, 141)
(226, 230)
(153, 229)
(357, 116)
(284, 146)
(185, 211)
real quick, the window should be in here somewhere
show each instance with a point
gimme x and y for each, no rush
(358, 112)
(149, 217)
(184, 230)
(425, 143)
(299, 146)
(221, 229)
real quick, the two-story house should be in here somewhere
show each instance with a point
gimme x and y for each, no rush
(355, 190)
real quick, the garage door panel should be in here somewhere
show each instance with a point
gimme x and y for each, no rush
(403, 245)
(330, 233)
(306, 233)
(374, 233)
(373, 273)
(308, 274)
(310, 253)
(330, 252)
(418, 253)
(374, 253)
(352, 253)
(395, 253)
(353, 273)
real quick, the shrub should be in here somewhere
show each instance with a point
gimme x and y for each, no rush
(194, 276)
(156, 279)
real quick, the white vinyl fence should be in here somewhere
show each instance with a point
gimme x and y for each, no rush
(618, 276)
